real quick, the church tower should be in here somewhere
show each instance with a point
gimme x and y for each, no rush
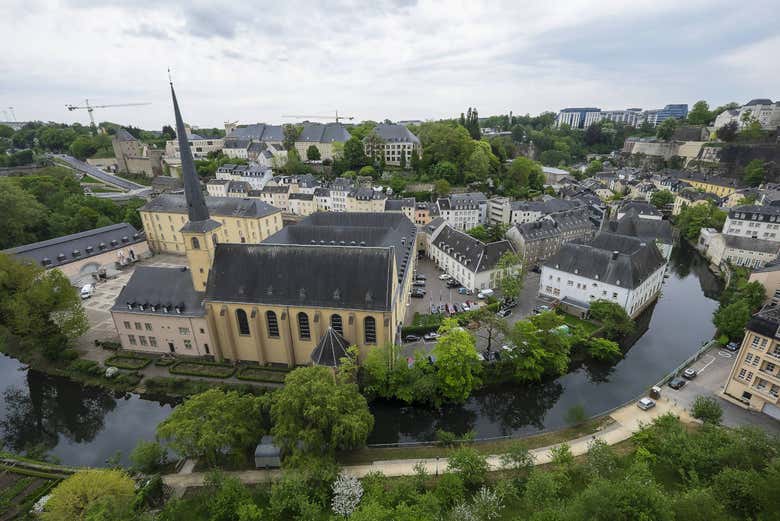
(200, 231)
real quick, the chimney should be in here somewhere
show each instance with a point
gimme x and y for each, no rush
(615, 255)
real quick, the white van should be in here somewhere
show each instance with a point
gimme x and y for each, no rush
(87, 290)
(485, 293)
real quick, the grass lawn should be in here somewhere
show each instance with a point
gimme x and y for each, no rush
(370, 454)
(261, 374)
(587, 326)
(211, 370)
(137, 178)
(89, 179)
(128, 362)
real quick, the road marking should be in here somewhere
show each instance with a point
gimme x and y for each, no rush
(712, 359)
(724, 354)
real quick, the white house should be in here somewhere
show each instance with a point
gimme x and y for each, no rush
(464, 211)
(762, 110)
(471, 262)
(754, 222)
(618, 268)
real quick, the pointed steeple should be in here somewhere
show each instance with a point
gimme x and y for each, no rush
(196, 204)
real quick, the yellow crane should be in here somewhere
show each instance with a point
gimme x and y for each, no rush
(337, 118)
(90, 108)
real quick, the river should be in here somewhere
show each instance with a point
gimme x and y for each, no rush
(85, 425)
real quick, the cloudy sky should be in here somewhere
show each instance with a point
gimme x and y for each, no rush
(400, 59)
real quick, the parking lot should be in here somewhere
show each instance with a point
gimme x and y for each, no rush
(713, 369)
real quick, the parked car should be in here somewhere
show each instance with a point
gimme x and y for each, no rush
(420, 277)
(418, 293)
(457, 308)
(428, 337)
(645, 403)
(412, 338)
(677, 383)
(465, 306)
(442, 308)
(690, 373)
(541, 309)
(465, 291)
(434, 309)
(444, 276)
(536, 269)
(87, 290)
(484, 293)
(731, 346)
(503, 313)
(419, 283)
(509, 303)
(452, 283)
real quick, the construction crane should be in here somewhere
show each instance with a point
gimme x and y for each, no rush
(337, 118)
(90, 108)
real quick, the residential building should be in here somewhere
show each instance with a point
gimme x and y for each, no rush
(754, 222)
(424, 213)
(83, 253)
(643, 210)
(471, 262)
(541, 239)
(769, 277)
(576, 117)
(201, 146)
(693, 197)
(755, 377)
(242, 220)
(763, 110)
(323, 200)
(217, 187)
(276, 196)
(553, 176)
(302, 203)
(339, 189)
(499, 210)
(158, 311)
(618, 268)
(254, 175)
(322, 136)
(741, 251)
(364, 199)
(656, 231)
(714, 184)
(406, 206)
(397, 141)
(464, 211)
(520, 212)
(134, 156)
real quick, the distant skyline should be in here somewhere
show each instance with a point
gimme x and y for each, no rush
(399, 59)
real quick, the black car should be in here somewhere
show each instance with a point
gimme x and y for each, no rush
(677, 383)
(536, 269)
(418, 293)
(509, 303)
(503, 313)
(412, 338)
(452, 283)
(731, 346)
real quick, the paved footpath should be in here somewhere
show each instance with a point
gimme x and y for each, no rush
(628, 420)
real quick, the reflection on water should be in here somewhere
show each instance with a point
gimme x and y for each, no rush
(84, 426)
(666, 334)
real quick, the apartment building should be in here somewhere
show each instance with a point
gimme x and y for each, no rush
(763, 110)
(406, 206)
(276, 196)
(201, 146)
(542, 239)
(693, 197)
(396, 141)
(322, 136)
(464, 211)
(755, 222)
(302, 204)
(365, 199)
(755, 377)
(583, 117)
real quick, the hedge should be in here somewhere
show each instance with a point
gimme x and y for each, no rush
(208, 369)
(261, 374)
(128, 362)
(164, 362)
(89, 367)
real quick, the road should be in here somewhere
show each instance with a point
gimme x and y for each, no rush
(99, 174)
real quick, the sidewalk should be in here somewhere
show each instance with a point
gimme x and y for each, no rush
(628, 420)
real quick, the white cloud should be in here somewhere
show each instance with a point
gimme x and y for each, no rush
(374, 60)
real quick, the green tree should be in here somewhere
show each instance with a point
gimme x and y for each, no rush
(603, 349)
(700, 114)
(444, 142)
(754, 173)
(23, 215)
(354, 155)
(470, 465)
(512, 275)
(210, 422)
(666, 129)
(692, 219)
(471, 122)
(6, 132)
(415, 161)
(313, 153)
(614, 320)
(594, 167)
(369, 171)
(523, 173)
(74, 496)
(447, 171)
(291, 133)
(699, 504)
(728, 132)
(441, 187)
(575, 415)
(479, 232)
(402, 161)
(751, 131)
(82, 147)
(148, 457)
(707, 409)
(540, 347)
(457, 365)
(324, 416)
(732, 319)
(491, 326)
(662, 198)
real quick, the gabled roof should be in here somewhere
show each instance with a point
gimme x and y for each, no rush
(766, 322)
(218, 206)
(610, 258)
(257, 132)
(331, 348)
(640, 207)
(473, 254)
(350, 277)
(62, 250)
(160, 291)
(397, 205)
(644, 229)
(392, 133)
(324, 133)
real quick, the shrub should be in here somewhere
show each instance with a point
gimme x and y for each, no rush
(148, 456)
(446, 438)
(707, 409)
(576, 415)
(207, 369)
(164, 362)
(470, 465)
(128, 362)
(87, 367)
(261, 374)
(69, 354)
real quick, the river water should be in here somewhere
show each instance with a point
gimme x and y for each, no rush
(84, 425)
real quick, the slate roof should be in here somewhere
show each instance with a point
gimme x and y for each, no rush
(394, 133)
(397, 205)
(644, 229)
(257, 132)
(555, 224)
(331, 348)
(124, 135)
(766, 322)
(549, 206)
(218, 206)
(635, 260)
(160, 287)
(466, 201)
(350, 277)
(282, 189)
(691, 194)
(301, 196)
(60, 251)
(758, 101)
(640, 207)
(236, 143)
(752, 209)
(366, 194)
(750, 244)
(324, 133)
(473, 254)
(321, 192)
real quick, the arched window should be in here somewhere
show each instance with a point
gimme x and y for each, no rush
(243, 322)
(195, 243)
(303, 326)
(369, 330)
(273, 325)
(336, 324)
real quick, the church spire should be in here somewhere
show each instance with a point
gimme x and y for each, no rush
(196, 204)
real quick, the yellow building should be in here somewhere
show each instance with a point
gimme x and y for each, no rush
(755, 377)
(243, 221)
(365, 199)
(718, 185)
